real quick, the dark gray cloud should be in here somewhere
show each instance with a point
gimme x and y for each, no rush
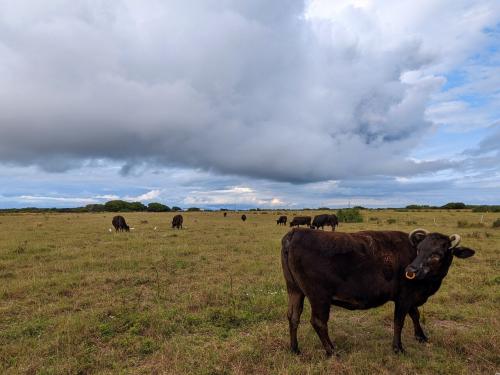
(248, 88)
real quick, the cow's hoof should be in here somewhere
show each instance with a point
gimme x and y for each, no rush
(422, 338)
(295, 351)
(398, 349)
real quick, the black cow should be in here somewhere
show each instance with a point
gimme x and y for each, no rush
(281, 220)
(177, 221)
(243, 217)
(300, 220)
(225, 214)
(321, 220)
(363, 270)
(120, 224)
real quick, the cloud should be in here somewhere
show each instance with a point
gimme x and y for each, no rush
(241, 196)
(66, 200)
(149, 196)
(254, 88)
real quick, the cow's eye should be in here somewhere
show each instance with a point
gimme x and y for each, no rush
(434, 258)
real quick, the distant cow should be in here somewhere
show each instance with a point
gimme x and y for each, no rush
(281, 220)
(177, 221)
(225, 214)
(362, 270)
(120, 224)
(300, 220)
(321, 220)
(243, 217)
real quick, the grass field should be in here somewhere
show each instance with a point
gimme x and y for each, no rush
(210, 299)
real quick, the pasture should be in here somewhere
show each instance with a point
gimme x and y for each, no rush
(210, 299)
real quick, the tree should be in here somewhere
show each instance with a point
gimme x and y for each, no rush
(175, 208)
(349, 215)
(116, 206)
(454, 205)
(157, 207)
(137, 206)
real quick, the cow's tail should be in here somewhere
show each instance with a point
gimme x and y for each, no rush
(285, 254)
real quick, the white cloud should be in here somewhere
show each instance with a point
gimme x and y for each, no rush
(150, 195)
(69, 200)
(253, 87)
(236, 195)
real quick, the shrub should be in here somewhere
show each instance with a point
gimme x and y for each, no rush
(391, 221)
(196, 209)
(175, 208)
(496, 223)
(486, 209)
(454, 205)
(157, 207)
(349, 215)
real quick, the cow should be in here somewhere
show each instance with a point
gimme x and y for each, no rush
(320, 221)
(281, 220)
(243, 217)
(300, 220)
(120, 224)
(225, 214)
(177, 222)
(363, 270)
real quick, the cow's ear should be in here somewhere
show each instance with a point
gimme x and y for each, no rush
(417, 236)
(463, 252)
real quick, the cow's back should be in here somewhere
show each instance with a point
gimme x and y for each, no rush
(359, 270)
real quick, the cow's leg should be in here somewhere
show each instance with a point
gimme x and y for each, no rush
(295, 307)
(319, 320)
(399, 321)
(419, 332)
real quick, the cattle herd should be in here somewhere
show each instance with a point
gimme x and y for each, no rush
(356, 271)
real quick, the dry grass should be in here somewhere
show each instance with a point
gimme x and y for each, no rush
(210, 299)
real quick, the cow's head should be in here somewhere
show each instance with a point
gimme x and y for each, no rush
(127, 228)
(435, 252)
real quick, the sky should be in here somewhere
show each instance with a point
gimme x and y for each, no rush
(249, 103)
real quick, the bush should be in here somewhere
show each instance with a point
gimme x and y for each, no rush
(157, 207)
(486, 209)
(496, 223)
(454, 205)
(195, 209)
(175, 208)
(123, 206)
(391, 221)
(349, 215)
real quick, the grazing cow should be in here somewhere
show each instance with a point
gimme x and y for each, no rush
(281, 220)
(177, 221)
(363, 270)
(225, 214)
(120, 224)
(243, 217)
(300, 220)
(321, 220)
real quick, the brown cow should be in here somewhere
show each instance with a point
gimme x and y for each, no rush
(363, 270)
(243, 217)
(300, 220)
(177, 221)
(120, 224)
(320, 221)
(281, 220)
